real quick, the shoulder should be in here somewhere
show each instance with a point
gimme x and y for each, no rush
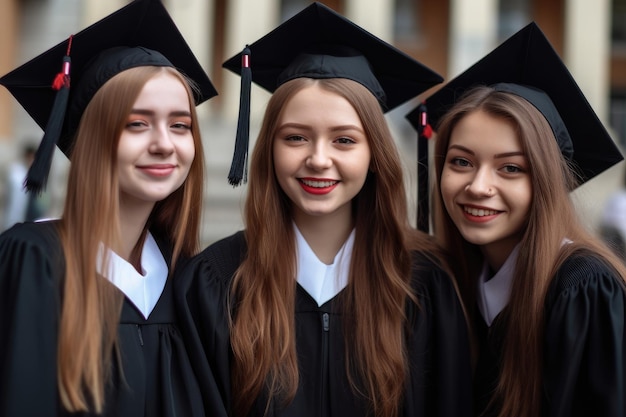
(230, 248)
(583, 273)
(226, 254)
(220, 260)
(31, 250)
(42, 235)
(428, 259)
(426, 266)
(438, 306)
(428, 276)
(581, 266)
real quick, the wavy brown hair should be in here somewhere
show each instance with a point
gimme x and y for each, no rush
(551, 219)
(91, 305)
(263, 332)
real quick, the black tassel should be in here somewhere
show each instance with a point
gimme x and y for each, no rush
(37, 176)
(424, 132)
(239, 166)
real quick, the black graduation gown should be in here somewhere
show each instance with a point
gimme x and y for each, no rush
(439, 381)
(584, 371)
(159, 378)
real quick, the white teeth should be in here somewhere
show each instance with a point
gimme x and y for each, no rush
(319, 184)
(479, 212)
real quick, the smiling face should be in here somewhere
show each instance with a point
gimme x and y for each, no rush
(321, 154)
(156, 147)
(485, 183)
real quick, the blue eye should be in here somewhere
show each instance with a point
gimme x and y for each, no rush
(460, 162)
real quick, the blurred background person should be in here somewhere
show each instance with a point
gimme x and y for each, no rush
(20, 206)
(613, 222)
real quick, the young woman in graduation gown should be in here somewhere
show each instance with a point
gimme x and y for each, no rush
(87, 320)
(328, 303)
(546, 296)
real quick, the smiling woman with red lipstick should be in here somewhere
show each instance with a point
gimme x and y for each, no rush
(329, 303)
(547, 298)
(321, 159)
(87, 321)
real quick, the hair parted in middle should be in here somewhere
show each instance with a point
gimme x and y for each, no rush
(552, 219)
(263, 327)
(91, 306)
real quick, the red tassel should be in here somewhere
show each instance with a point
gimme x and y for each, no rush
(424, 129)
(40, 168)
(428, 131)
(62, 79)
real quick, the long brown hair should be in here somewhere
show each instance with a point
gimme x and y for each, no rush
(263, 327)
(551, 219)
(91, 305)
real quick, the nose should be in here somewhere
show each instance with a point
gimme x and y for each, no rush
(482, 184)
(162, 143)
(319, 157)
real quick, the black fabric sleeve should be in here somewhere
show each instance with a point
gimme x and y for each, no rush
(202, 292)
(440, 327)
(29, 312)
(585, 341)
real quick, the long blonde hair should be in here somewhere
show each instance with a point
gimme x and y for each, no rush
(551, 219)
(91, 305)
(263, 332)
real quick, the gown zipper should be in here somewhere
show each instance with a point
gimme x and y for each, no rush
(325, 342)
(140, 335)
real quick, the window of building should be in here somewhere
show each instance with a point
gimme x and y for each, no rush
(617, 118)
(289, 8)
(512, 16)
(406, 21)
(618, 27)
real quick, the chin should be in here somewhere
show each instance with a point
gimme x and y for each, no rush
(476, 239)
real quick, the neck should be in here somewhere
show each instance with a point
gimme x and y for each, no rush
(133, 218)
(325, 235)
(497, 253)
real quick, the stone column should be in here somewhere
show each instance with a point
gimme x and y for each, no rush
(193, 18)
(473, 32)
(8, 55)
(587, 49)
(246, 22)
(587, 56)
(375, 16)
(94, 10)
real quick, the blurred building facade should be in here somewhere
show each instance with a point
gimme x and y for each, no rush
(446, 35)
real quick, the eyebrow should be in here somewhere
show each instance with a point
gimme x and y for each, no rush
(333, 129)
(509, 154)
(146, 112)
(346, 127)
(498, 155)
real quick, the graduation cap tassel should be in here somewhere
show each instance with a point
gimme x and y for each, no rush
(424, 132)
(37, 176)
(238, 168)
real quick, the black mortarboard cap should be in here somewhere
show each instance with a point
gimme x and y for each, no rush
(528, 66)
(320, 43)
(127, 38)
